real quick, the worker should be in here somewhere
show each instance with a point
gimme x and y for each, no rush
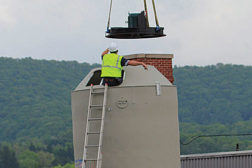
(112, 64)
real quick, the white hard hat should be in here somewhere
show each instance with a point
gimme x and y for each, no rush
(113, 47)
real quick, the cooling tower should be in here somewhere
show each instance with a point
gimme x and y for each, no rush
(141, 127)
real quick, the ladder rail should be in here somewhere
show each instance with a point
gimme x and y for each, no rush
(99, 157)
(87, 129)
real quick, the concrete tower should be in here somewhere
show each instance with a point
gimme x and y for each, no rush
(141, 124)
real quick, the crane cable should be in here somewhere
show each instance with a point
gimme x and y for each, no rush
(109, 15)
(146, 13)
(155, 12)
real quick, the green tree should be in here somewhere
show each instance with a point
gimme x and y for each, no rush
(7, 157)
(68, 165)
(29, 159)
(45, 159)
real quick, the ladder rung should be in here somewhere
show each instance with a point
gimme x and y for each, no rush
(93, 133)
(97, 106)
(94, 119)
(101, 107)
(97, 92)
(92, 146)
(90, 159)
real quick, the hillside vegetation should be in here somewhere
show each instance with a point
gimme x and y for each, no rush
(214, 94)
(35, 96)
(35, 108)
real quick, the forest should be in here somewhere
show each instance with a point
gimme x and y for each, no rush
(35, 109)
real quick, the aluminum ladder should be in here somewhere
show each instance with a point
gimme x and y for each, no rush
(97, 160)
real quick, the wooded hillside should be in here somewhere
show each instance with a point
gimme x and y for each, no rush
(214, 94)
(35, 96)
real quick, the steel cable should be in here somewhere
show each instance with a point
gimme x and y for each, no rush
(109, 14)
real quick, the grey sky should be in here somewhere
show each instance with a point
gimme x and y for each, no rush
(199, 32)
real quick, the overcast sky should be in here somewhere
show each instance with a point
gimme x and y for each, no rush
(199, 32)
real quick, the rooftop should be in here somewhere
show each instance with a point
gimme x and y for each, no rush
(133, 76)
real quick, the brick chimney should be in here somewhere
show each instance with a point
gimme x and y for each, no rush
(163, 62)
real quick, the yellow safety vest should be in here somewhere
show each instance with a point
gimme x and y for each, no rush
(111, 66)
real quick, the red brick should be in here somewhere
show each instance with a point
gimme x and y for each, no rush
(162, 64)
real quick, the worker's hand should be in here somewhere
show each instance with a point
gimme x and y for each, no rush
(145, 66)
(105, 52)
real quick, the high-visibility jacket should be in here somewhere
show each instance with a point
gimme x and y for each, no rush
(111, 66)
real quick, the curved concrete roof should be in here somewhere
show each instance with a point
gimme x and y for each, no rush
(134, 56)
(133, 76)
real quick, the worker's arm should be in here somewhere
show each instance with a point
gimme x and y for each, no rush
(105, 52)
(135, 63)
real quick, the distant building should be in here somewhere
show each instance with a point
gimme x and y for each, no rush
(238, 159)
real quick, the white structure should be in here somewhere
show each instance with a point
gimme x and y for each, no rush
(141, 124)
